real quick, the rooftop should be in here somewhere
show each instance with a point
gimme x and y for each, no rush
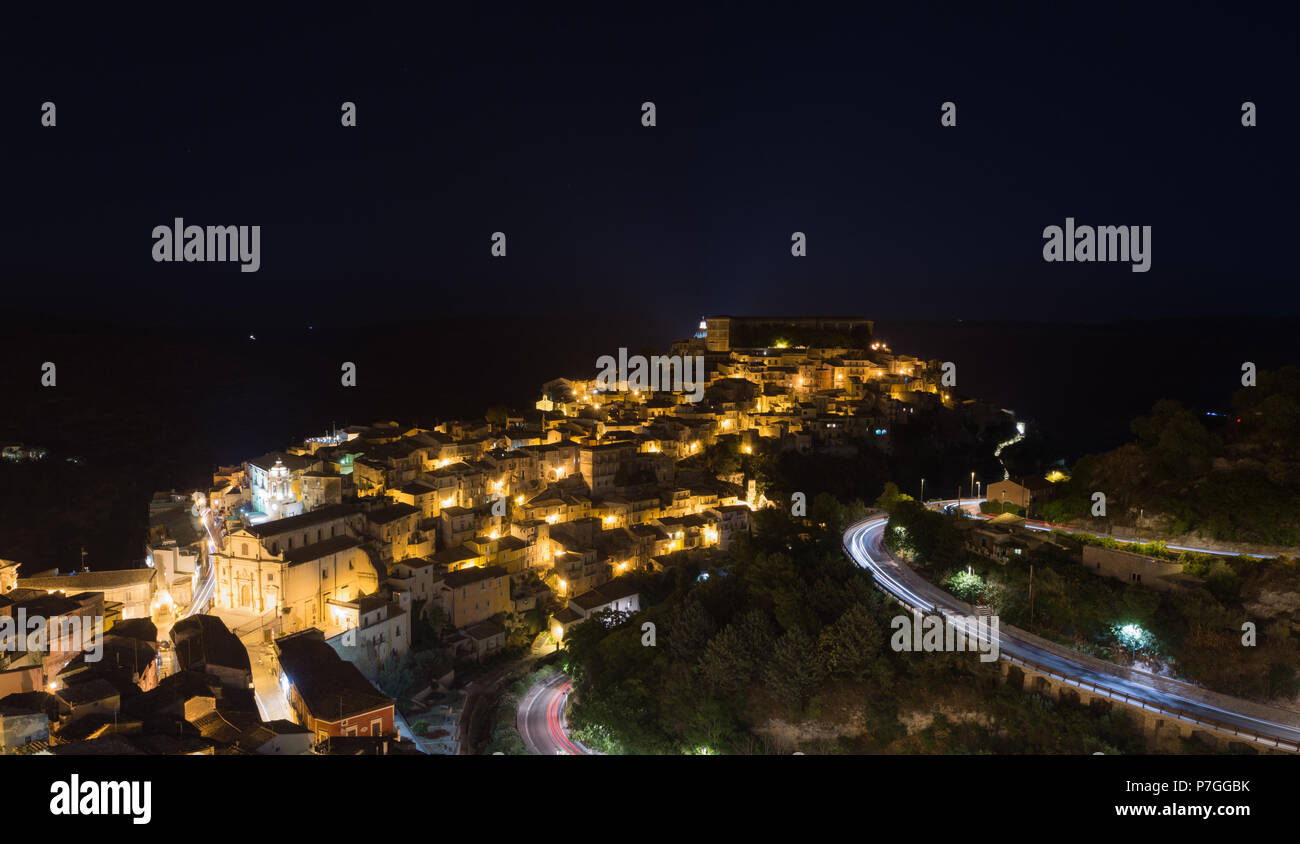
(331, 688)
(473, 574)
(92, 581)
(276, 527)
(317, 550)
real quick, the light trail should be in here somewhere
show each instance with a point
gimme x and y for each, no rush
(1047, 527)
(1255, 722)
(208, 584)
(997, 452)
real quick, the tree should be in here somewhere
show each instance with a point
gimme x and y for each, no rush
(851, 645)
(772, 576)
(395, 677)
(689, 628)
(795, 672)
(733, 658)
(1141, 604)
(727, 665)
(436, 617)
(855, 512)
(966, 586)
(1182, 445)
(712, 727)
(890, 498)
(1223, 582)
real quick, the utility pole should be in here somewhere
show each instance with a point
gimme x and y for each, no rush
(1031, 596)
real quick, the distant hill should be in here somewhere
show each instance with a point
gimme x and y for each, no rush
(1230, 475)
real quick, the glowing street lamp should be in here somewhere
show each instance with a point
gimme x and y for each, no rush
(1132, 637)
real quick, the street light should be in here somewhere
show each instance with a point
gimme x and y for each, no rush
(972, 484)
(922, 492)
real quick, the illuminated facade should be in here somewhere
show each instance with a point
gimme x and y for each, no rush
(296, 584)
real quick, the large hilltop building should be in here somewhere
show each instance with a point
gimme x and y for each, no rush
(722, 333)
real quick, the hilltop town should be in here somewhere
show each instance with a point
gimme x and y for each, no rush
(325, 597)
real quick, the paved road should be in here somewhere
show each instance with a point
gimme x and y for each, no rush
(479, 693)
(971, 509)
(269, 692)
(864, 542)
(206, 589)
(540, 719)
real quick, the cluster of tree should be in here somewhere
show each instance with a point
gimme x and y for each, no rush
(939, 444)
(1196, 634)
(414, 671)
(745, 335)
(1234, 477)
(790, 630)
(928, 539)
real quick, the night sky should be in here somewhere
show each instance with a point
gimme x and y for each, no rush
(375, 240)
(528, 123)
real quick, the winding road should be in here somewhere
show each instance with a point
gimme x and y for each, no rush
(970, 508)
(1270, 726)
(206, 589)
(540, 719)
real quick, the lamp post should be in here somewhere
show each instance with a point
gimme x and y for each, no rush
(922, 492)
(971, 488)
(1031, 596)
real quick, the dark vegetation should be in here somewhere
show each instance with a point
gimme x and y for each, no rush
(1196, 634)
(1233, 477)
(794, 632)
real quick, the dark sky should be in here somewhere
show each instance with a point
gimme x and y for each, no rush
(529, 123)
